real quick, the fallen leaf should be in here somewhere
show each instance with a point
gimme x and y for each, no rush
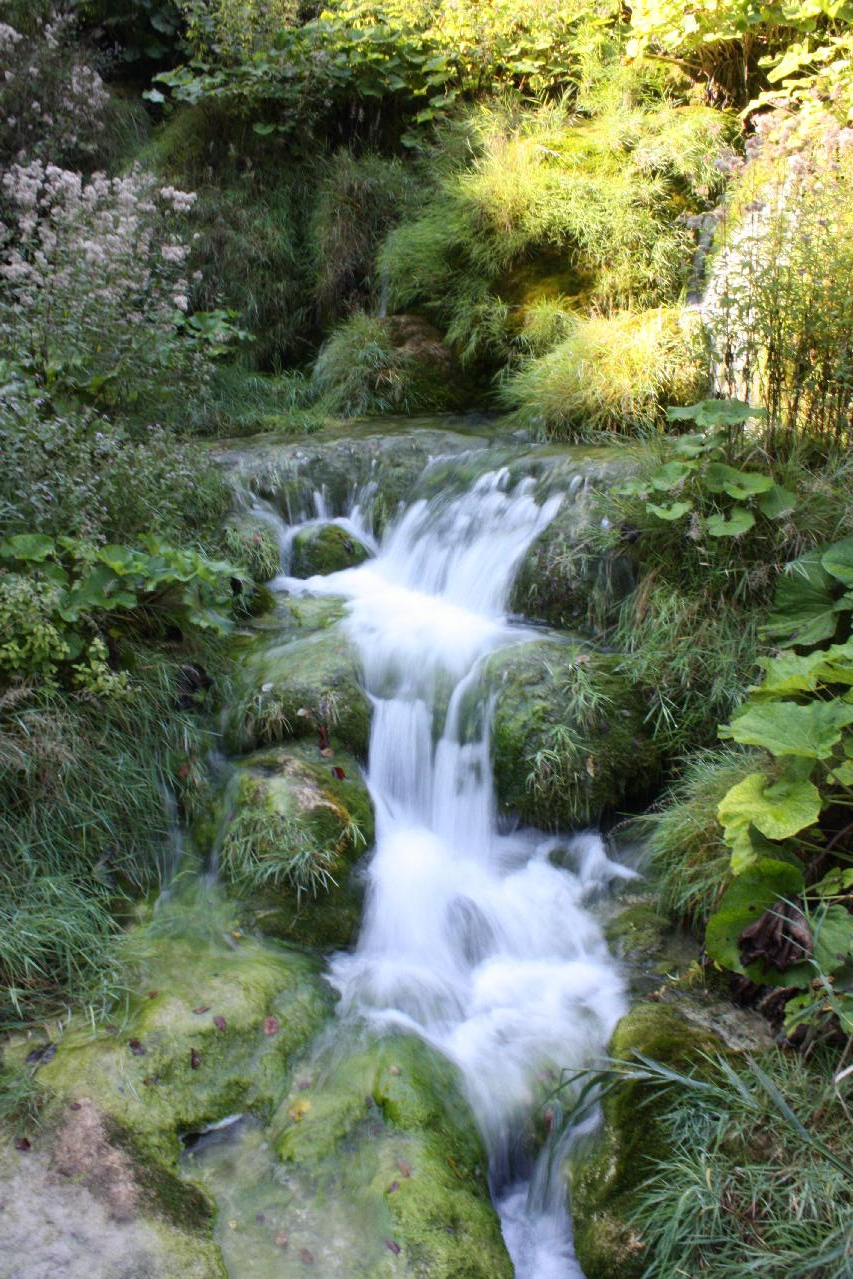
(235, 932)
(393, 1246)
(327, 752)
(136, 1047)
(395, 1070)
(21, 1143)
(303, 713)
(40, 1055)
(220, 1023)
(299, 1109)
(152, 994)
(232, 1225)
(204, 1008)
(195, 1059)
(260, 1218)
(403, 1168)
(338, 773)
(270, 1025)
(306, 1256)
(75, 1105)
(302, 1084)
(282, 1239)
(395, 1185)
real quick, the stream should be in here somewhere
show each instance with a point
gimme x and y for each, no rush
(473, 937)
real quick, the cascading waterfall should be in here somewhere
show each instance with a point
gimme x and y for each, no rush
(472, 937)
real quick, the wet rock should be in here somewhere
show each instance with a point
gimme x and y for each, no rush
(292, 825)
(569, 735)
(154, 1095)
(297, 689)
(325, 548)
(387, 1125)
(83, 1153)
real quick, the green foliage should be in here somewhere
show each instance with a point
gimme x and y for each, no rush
(610, 373)
(362, 371)
(687, 852)
(412, 60)
(754, 1173)
(780, 299)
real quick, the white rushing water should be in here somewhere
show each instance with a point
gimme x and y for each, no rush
(472, 937)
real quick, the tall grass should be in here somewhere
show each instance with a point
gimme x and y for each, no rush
(611, 373)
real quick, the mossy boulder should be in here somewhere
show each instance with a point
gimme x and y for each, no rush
(308, 687)
(210, 1028)
(564, 579)
(292, 824)
(569, 735)
(325, 548)
(607, 1169)
(386, 1126)
(251, 542)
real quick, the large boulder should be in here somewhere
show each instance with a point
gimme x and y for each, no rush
(325, 548)
(569, 735)
(288, 832)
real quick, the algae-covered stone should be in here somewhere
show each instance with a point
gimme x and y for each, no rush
(564, 578)
(607, 1170)
(569, 733)
(195, 1043)
(307, 687)
(251, 542)
(386, 1127)
(293, 825)
(325, 548)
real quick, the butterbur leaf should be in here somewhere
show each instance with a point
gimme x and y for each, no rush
(795, 673)
(669, 513)
(670, 474)
(34, 548)
(719, 478)
(740, 521)
(716, 413)
(804, 609)
(838, 561)
(778, 812)
(776, 502)
(786, 728)
(745, 900)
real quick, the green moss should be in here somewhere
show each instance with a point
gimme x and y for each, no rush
(389, 1123)
(607, 1171)
(290, 690)
(166, 1068)
(569, 739)
(292, 826)
(325, 548)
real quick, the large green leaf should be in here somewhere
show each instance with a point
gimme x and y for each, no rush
(670, 475)
(716, 413)
(838, 561)
(34, 548)
(739, 522)
(776, 502)
(673, 511)
(804, 673)
(746, 898)
(786, 728)
(832, 934)
(719, 478)
(805, 610)
(777, 811)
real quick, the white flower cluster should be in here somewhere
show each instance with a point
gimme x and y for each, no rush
(94, 271)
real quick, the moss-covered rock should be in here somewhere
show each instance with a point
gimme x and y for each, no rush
(387, 1126)
(563, 580)
(569, 738)
(210, 1029)
(325, 548)
(251, 542)
(299, 689)
(289, 830)
(607, 1170)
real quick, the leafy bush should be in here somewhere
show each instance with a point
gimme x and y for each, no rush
(610, 373)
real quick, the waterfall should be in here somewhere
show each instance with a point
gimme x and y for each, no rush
(471, 938)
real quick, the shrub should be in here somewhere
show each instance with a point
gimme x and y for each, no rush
(362, 371)
(611, 373)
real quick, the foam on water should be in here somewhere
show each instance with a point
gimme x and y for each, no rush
(472, 937)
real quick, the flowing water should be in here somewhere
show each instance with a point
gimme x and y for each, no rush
(472, 937)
